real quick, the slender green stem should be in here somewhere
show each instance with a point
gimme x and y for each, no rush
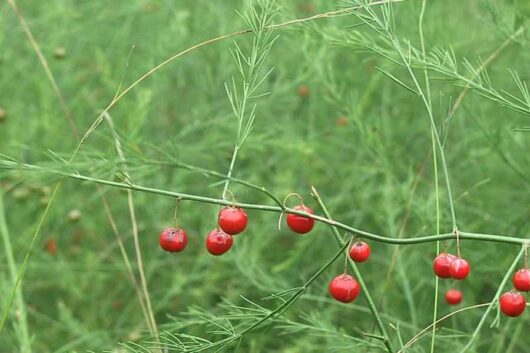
(494, 301)
(438, 219)
(385, 29)
(368, 296)
(421, 334)
(230, 170)
(361, 233)
(21, 317)
(435, 163)
(290, 301)
(132, 213)
(24, 266)
(425, 101)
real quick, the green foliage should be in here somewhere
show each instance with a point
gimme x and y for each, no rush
(403, 104)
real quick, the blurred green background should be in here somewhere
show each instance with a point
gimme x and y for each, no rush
(358, 136)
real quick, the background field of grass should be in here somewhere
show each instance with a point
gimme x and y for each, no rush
(359, 137)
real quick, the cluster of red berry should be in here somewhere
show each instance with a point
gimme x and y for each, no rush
(449, 266)
(512, 303)
(231, 220)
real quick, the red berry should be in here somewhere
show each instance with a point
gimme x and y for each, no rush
(453, 297)
(218, 242)
(173, 239)
(300, 224)
(521, 280)
(442, 265)
(459, 269)
(344, 288)
(512, 303)
(360, 251)
(232, 220)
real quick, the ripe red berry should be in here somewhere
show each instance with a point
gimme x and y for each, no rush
(173, 239)
(218, 242)
(442, 265)
(232, 220)
(512, 303)
(453, 296)
(459, 269)
(344, 288)
(521, 280)
(360, 251)
(300, 224)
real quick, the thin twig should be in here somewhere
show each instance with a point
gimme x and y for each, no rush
(422, 332)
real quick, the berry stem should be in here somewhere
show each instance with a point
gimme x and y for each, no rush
(175, 222)
(457, 234)
(347, 254)
(526, 255)
(293, 194)
(233, 198)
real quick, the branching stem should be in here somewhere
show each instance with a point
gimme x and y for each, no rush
(361, 233)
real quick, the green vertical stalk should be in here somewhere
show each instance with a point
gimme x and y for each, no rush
(21, 317)
(436, 279)
(24, 266)
(132, 213)
(494, 301)
(368, 296)
(435, 165)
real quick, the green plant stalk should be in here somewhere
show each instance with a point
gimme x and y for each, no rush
(132, 213)
(24, 266)
(21, 321)
(435, 165)
(425, 100)
(438, 219)
(250, 82)
(494, 300)
(371, 304)
(361, 233)
(230, 171)
(278, 311)
(425, 97)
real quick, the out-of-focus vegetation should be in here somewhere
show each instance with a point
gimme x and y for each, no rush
(339, 111)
